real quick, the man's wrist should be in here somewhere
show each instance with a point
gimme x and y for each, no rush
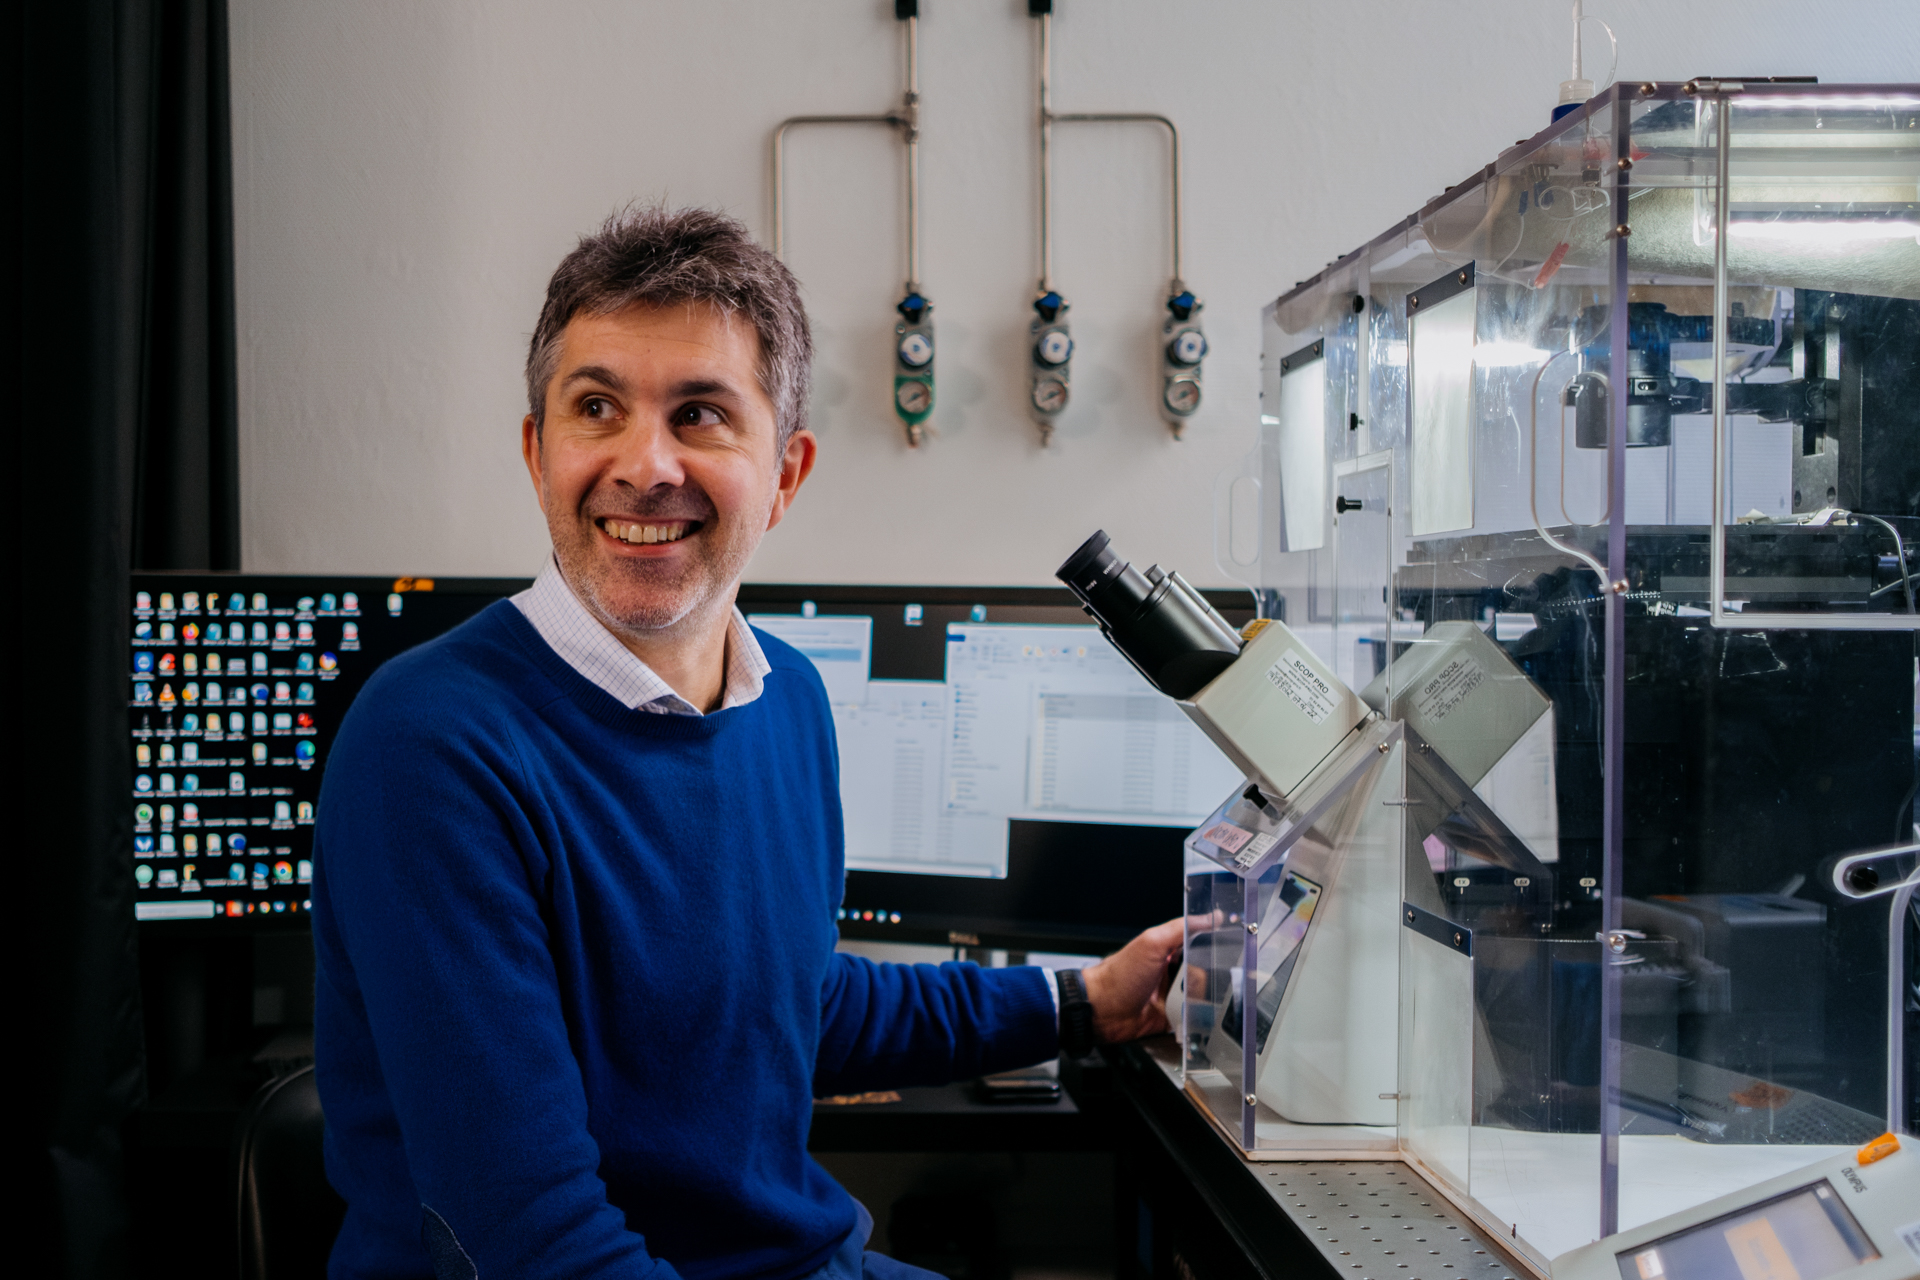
(1076, 1014)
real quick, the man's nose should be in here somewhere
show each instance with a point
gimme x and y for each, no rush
(649, 457)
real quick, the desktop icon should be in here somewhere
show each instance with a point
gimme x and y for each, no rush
(259, 633)
(259, 664)
(190, 691)
(143, 813)
(303, 811)
(143, 844)
(190, 752)
(143, 692)
(166, 784)
(394, 602)
(166, 601)
(236, 603)
(282, 691)
(212, 693)
(143, 661)
(282, 632)
(189, 664)
(259, 877)
(282, 811)
(142, 630)
(978, 613)
(167, 847)
(328, 662)
(141, 600)
(166, 696)
(303, 871)
(166, 665)
(304, 633)
(236, 908)
(236, 784)
(259, 722)
(186, 877)
(143, 754)
(143, 875)
(283, 873)
(279, 906)
(259, 602)
(214, 633)
(305, 719)
(166, 816)
(304, 604)
(189, 813)
(350, 602)
(304, 663)
(327, 603)
(168, 878)
(259, 753)
(166, 632)
(915, 615)
(304, 694)
(283, 721)
(349, 632)
(189, 783)
(260, 692)
(214, 664)
(303, 750)
(166, 753)
(190, 723)
(190, 633)
(190, 602)
(238, 871)
(190, 844)
(142, 782)
(236, 843)
(236, 723)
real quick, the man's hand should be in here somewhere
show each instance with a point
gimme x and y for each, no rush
(1129, 988)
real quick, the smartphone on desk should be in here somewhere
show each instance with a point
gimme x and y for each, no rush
(1018, 1086)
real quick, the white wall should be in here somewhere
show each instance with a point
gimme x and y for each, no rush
(407, 173)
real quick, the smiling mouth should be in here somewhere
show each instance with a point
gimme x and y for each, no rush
(647, 532)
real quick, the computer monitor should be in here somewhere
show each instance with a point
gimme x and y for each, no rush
(1008, 779)
(237, 685)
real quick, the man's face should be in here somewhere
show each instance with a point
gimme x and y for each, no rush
(657, 469)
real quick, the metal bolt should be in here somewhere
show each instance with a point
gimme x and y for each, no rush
(1623, 163)
(1616, 943)
(1620, 587)
(1385, 747)
(1463, 277)
(1648, 89)
(1251, 1100)
(1623, 231)
(1253, 926)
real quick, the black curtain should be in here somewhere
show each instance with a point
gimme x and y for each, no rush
(121, 434)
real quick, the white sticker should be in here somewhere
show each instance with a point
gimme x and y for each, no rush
(1447, 688)
(1251, 854)
(1227, 836)
(1910, 1236)
(1304, 687)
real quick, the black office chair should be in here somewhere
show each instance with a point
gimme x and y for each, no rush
(288, 1214)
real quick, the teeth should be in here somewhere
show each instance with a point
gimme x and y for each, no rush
(645, 534)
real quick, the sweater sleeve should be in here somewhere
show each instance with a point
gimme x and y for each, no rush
(887, 1025)
(429, 884)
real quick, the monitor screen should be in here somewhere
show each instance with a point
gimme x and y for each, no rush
(1008, 779)
(1806, 1234)
(237, 684)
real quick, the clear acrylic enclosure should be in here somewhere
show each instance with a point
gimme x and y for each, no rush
(1601, 474)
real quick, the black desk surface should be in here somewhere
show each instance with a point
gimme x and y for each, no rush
(951, 1118)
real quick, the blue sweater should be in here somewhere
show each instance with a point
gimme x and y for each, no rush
(577, 985)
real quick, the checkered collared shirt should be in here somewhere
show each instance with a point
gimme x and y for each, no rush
(592, 650)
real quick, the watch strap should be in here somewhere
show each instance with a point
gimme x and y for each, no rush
(1076, 1014)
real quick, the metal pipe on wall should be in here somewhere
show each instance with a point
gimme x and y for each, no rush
(913, 333)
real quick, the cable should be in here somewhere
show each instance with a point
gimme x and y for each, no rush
(1899, 549)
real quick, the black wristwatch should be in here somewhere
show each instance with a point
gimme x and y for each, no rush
(1076, 1014)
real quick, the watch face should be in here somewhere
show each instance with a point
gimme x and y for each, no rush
(1182, 395)
(1189, 346)
(1049, 395)
(915, 350)
(1054, 348)
(913, 396)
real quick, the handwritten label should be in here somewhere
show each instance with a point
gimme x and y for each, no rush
(1447, 688)
(1227, 836)
(1304, 687)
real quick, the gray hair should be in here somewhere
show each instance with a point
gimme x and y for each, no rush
(650, 256)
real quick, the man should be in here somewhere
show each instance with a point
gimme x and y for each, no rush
(578, 860)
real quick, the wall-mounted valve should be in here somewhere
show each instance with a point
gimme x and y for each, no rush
(913, 365)
(1184, 347)
(1052, 362)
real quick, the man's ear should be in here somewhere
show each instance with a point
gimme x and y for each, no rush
(530, 452)
(796, 463)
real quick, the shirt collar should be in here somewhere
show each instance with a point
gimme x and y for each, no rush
(586, 645)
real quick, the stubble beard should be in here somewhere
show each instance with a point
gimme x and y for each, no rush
(644, 598)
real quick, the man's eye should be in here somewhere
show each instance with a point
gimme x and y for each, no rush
(597, 407)
(697, 415)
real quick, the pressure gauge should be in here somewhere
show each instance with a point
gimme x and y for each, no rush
(1054, 348)
(913, 378)
(916, 349)
(1049, 395)
(1181, 396)
(913, 396)
(1185, 347)
(1188, 348)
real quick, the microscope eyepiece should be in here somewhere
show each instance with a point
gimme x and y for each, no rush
(1164, 627)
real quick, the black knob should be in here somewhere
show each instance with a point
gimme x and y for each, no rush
(1342, 505)
(1863, 879)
